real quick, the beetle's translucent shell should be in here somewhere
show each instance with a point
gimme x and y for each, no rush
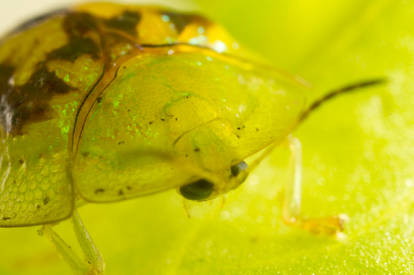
(109, 102)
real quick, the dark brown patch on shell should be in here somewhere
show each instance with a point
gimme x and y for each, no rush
(76, 47)
(28, 103)
(181, 20)
(126, 22)
(77, 26)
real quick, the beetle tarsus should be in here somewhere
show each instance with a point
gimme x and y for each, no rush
(332, 226)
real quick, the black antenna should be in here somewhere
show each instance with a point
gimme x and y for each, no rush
(332, 94)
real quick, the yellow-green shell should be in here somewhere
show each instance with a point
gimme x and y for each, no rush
(108, 102)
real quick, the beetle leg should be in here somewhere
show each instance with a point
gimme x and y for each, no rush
(333, 226)
(95, 264)
(77, 265)
(93, 255)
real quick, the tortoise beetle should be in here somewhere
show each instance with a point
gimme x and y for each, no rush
(122, 101)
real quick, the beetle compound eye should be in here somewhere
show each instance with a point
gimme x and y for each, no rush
(199, 190)
(238, 168)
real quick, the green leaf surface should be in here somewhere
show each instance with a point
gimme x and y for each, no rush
(358, 160)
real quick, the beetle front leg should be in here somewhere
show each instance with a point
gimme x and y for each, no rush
(332, 226)
(94, 264)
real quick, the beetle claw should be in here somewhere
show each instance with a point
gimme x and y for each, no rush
(329, 226)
